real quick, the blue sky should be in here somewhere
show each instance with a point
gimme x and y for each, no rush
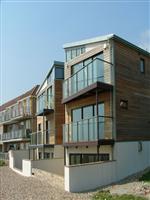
(33, 32)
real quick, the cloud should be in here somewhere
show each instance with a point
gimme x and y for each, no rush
(145, 40)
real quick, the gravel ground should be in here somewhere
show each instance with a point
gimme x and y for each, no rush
(41, 186)
(45, 186)
(131, 185)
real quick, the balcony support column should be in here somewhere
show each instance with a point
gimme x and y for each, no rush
(97, 124)
(43, 136)
(98, 146)
(29, 154)
(64, 156)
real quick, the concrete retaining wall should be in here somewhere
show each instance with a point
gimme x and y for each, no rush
(19, 156)
(55, 166)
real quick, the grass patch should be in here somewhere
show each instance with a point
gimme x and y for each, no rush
(2, 163)
(105, 195)
(145, 177)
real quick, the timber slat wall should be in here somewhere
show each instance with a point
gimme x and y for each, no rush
(132, 85)
(59, 112)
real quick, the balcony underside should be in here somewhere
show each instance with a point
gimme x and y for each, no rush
(34, 146)
(45, 111)
(90, 143)
(89, 90)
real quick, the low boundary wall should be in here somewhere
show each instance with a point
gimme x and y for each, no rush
(55, 165)
(19, 162)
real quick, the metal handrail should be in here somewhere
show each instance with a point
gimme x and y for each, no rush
(42, 135)
(19, 114)
(103, 116)
(86, 66)
(80, 131)
(15, 134)
(72, 84)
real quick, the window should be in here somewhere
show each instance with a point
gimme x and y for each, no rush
(74, 52)
(39, 127)
(68, 55)
(76, 115)
(75, 159)
(82, 50)
(142, 65)
(76, 68)
(87, 158)
(51, 77)
(50, 97)
(46, 155)
(59, 73)
(87, 112)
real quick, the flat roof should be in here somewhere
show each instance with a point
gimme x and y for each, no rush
(105, 38)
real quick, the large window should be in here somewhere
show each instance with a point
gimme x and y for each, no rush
(85, 126)
(51, 77)
(76, 114)
(87, 158)
(41, 102)
(50, 97)
(87, 112)
(59, 73)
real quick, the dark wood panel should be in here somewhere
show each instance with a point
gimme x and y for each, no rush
(132, 123)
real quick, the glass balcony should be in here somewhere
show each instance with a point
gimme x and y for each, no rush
(40, 138)
(44, 104)
(97, 70)
(88, 130)
(17, 134)
(14, 112)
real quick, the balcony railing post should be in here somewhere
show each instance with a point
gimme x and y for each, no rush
(88, 128)
(97, 127)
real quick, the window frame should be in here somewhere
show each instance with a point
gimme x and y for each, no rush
(142, 65)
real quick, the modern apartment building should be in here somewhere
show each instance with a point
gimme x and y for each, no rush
(47, 141)
(17, 121)
(106, 93)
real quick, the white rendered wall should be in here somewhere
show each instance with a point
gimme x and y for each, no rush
(26, 168)
(87, 177)
(26, 165)
(128, 160)
(11, 159)
(54, 166)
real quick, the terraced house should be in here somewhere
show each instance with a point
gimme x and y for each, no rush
(106, 93)
(47, 141)
(17, 121)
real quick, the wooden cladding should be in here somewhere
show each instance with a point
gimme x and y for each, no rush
(132, 123)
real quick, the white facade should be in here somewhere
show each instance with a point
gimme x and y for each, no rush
(127, 161)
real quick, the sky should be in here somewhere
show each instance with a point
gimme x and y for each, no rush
(33, 32)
